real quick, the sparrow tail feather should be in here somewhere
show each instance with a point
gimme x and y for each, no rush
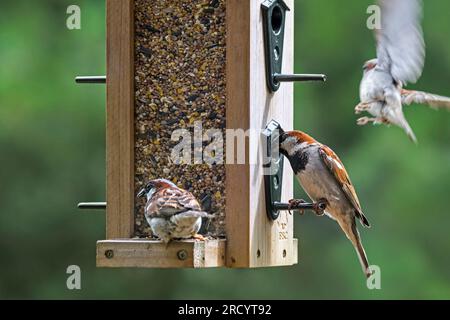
(409, 132)
(350, 230)
(362, 258)
(360, 251)
(401, 121)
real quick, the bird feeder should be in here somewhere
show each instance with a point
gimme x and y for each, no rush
(175, 64)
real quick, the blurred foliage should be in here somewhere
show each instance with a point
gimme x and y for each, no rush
(52, 147)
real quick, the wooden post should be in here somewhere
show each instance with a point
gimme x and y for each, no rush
(120, 119)
(253, 240)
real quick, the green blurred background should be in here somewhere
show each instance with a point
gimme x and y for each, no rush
(52, 155)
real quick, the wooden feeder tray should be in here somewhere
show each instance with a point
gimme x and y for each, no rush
(154, 254)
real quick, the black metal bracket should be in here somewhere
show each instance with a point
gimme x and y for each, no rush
(273, 167)
(274, 20)
(273, 177)
(91, 79)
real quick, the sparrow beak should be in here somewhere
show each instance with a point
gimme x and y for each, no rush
(141, 193)
(282, 136)
(280, 133)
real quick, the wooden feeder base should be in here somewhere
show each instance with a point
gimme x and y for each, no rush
(141, 253)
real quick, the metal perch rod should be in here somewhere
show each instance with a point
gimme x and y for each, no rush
(299, 205)
(299, 77)
(92, 205)
(287, 206)
(91, 79)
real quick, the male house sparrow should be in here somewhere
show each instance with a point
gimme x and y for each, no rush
(323, 177)
(400, 59)
(171, 211)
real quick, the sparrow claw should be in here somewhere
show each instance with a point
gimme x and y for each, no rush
(294, 203)
(320, 206)
(361, 107)
(382, 121)
(167, 243)
(199, 237)
(364, 120)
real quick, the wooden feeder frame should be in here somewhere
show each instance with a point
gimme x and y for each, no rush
(252, 239)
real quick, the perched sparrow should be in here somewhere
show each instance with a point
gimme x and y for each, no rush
(172, 212)
(400, 59)
(323, 177)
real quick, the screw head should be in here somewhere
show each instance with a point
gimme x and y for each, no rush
(109, 254)
(276, 182)
(182, 255)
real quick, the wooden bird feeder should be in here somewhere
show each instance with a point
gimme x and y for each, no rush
(170, 64)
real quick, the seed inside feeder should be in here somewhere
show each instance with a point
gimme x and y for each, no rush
(179, 80)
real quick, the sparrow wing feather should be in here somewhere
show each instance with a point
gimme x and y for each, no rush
(400, 43)
(337, 170)
(170, 201)
(433, 100)
(189, 202)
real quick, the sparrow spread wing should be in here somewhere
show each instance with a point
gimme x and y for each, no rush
(171, 201)
(400, 47)
(433, 100)
(336, 168)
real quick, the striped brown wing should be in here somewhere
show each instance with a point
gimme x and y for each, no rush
(170, 201)
(336, 168)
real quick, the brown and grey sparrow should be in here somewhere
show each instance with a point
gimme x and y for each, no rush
(400, 60)
(172, 212)
(324, 178)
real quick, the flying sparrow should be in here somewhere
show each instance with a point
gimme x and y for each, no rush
(323, 177)
(171, 211)
(400, 59)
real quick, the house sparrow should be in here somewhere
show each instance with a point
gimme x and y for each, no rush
(323, 177)
(171, 211)
(400, 59)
